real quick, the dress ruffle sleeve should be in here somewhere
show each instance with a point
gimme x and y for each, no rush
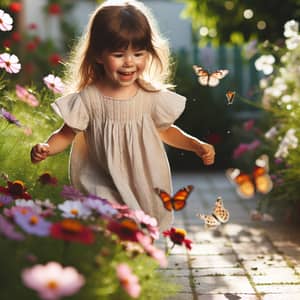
(72, 110)
(167, 108)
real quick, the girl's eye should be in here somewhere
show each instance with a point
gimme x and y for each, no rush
(138, 54)
(118, 55)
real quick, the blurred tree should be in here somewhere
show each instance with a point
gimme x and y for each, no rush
(238, 21)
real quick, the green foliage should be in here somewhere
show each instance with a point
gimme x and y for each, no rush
(226, 23)
(207, 116)
(279, 100)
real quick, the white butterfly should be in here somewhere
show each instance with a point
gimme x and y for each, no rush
(209, 79)
(219, 215)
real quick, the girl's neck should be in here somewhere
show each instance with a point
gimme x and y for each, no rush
(119, 92)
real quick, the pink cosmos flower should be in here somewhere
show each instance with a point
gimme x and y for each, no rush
(253, 145)
(32, 224)
(25, 96)
(240, 150)
(243, 148)
(159, 255)
(54, 83)
(128, 280)
(5, 199)
(10, 63)
(8, 230)
(147, 221)
(6, 21)
(52, 281)
(69, 192)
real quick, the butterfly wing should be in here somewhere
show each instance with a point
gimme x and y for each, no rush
(197, 69)
(262, 179)
(220, 212)
(180, 197)
(243, 182)
(209, 220)
(166, 199)
(230, 96)
(214, 77)
(203, 75)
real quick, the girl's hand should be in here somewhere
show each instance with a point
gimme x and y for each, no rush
(39, 152)
(205, 151)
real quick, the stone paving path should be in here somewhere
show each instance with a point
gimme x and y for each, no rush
(240, 260)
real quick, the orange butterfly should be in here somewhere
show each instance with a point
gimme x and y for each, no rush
(219, 215)
(248, 184)
(230, 96)
(209, 79)
(178, 201)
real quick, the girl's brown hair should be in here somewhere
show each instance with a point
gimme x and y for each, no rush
(115, 25)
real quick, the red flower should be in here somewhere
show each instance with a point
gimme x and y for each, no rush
(31, 46)
(54, 59)
(177, 236)
(125, 228)
(73, 231)
(46, 178)
(16, 36)
(16, 189)
(54, 9)
(6, 43)
(32, 26)
(15, 7)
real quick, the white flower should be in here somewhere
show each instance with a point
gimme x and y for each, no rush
(45, 203)
(101, 207)
(293, 42)
(29, 203)
(263, 83)
(6, 21)
(286, 98)
(10, 63)
(271, 133)
(289, 141)
(291, 28)
(52, 281)
(265, 64)
(74, 209)
(54, 83)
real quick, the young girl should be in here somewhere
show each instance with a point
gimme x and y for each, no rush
(118, 111)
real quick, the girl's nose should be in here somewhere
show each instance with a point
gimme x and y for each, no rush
(128, 60)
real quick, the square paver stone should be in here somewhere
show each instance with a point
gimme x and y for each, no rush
(214, 261)
(271, 275)
(210, 249)
(222, 284)
(177, 262)
(279, 289)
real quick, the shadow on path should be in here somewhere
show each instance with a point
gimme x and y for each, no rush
(242, 259)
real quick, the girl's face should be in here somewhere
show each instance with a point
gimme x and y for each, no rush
(123, 67)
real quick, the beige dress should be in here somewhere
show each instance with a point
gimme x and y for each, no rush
(117, 153)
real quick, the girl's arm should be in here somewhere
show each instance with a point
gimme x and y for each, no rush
(176, 137)
(56, 143)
